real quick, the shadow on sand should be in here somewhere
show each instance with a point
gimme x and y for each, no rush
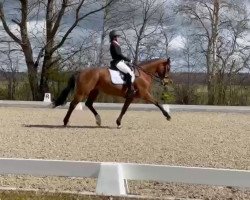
(68, 126)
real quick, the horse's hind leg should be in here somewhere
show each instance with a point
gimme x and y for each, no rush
(89, 103)
(76, 100)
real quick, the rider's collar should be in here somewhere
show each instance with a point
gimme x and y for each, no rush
(116, 42)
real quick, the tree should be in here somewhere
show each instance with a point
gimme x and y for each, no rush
(10, 69)
(168, 27)
(158, 44)
(143, 23)
(233, 52)
(209, 19)
(54, 12)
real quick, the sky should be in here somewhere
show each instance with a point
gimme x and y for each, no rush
(36, 26)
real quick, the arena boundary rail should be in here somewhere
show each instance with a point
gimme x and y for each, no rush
(133, 106)
(112, 177)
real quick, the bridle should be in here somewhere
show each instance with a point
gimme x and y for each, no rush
(156, 78)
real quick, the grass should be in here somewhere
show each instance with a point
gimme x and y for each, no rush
(42, 195)
(32, 195)
(39, 195)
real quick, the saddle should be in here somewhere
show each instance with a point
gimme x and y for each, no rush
(118, 77)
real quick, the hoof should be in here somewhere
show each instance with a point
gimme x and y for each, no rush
(119, 126)
(118, 123)
(168, 118)
(65, 123)
(98, 120)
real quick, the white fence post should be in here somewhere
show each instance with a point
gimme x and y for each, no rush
(110, 180)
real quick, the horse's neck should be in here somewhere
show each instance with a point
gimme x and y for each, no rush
(150, 67)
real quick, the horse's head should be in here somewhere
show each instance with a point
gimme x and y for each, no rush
(163, 71)
(157, 68)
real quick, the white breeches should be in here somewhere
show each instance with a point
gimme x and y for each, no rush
(124, 68)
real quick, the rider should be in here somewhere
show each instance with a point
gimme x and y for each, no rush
(118, 61)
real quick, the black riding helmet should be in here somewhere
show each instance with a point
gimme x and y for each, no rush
(113, 34)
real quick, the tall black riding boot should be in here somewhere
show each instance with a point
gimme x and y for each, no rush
(131, 92)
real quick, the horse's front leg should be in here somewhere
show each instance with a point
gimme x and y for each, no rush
(148, 97)
(123, 111)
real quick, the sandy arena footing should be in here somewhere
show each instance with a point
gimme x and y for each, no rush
(205, 139)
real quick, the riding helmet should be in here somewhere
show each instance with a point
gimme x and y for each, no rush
(113, 34)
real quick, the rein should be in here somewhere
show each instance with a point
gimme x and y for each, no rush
(153, 76)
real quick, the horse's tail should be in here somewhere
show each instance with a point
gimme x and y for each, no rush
(61, 99)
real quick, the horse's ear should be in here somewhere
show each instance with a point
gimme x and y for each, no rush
(168, 60)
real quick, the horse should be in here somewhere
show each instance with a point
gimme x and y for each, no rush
(90, 81)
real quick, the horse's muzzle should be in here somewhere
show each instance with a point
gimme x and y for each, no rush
(166, 81)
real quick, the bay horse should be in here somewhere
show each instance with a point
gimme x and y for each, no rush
(90, 81)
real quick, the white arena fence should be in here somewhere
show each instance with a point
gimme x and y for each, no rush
(112, 177)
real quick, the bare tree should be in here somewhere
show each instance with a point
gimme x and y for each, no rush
(209, 19)
(55, 38)
(143, 23)
(233, 51)
(158, 44)
(10, 69)
(206, 16)
(86, 55)
(169, 28)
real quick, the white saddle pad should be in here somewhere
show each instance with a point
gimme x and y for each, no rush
(117, 77)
